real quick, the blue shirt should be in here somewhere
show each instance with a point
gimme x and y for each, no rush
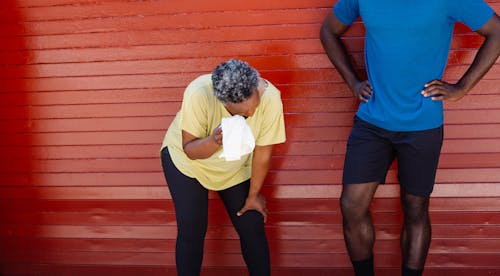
(407, 44)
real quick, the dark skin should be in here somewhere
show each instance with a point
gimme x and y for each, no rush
(485, 58)
(202, 148)
(332, 29)
(359, 232)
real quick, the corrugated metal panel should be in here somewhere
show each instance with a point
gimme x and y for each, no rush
(90, 86)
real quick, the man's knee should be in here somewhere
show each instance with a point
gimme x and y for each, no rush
(416, 209)
(353, 209)
(355, 200)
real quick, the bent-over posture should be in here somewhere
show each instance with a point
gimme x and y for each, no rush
(192, 166)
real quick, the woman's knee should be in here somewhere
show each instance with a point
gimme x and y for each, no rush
(250, 225)
(191, 228)
(192, 235)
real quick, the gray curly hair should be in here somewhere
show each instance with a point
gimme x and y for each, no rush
(234, 81)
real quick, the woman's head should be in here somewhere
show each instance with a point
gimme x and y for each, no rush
(236, 85)
(234, 81)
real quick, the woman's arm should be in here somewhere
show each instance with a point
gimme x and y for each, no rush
(201, 148)
(260, 167)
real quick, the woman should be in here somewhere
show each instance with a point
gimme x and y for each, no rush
(191, 163)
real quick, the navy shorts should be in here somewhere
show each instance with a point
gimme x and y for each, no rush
(371, 150)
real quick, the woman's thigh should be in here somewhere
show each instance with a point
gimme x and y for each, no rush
(189, 196)
(234, 199)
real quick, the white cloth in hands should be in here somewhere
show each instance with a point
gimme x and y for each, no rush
(237, 138)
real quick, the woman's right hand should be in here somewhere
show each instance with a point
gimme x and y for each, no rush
(217, 135)
(201, 148)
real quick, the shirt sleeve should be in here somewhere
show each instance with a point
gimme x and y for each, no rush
(347, 11)
(473, 13)
(193, 114)
(273, 123)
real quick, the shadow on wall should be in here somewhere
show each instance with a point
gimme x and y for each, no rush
(18, 193)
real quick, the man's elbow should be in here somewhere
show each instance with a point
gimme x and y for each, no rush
(324, 33)
(328, 36)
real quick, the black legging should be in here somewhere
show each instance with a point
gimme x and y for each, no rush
(191, 208)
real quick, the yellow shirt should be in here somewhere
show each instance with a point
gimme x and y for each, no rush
(200, 113)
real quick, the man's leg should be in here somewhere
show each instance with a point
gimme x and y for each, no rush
(369, 155)
(418, 156)
(359, 233)
(416, 231)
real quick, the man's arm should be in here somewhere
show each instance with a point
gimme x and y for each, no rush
(260, 167)
(485, 58)
(330, 33)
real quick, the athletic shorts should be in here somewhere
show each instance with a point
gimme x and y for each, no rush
(371, 150)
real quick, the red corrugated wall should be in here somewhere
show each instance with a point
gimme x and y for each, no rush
(88, 88)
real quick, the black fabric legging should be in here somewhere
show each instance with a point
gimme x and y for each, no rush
(191, 208)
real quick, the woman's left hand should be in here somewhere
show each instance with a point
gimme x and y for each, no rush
(257, 203)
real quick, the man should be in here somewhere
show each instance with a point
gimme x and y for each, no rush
(401, 114)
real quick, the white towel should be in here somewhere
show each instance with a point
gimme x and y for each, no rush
(237, 138)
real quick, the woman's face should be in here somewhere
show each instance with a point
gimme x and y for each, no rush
(247, 107)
